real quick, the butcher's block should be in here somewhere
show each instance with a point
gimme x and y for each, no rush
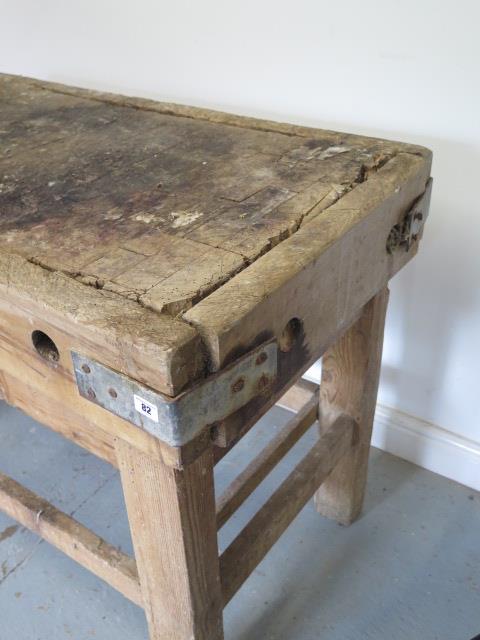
(167, 274)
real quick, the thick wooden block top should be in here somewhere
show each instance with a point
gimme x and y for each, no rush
(166, 226)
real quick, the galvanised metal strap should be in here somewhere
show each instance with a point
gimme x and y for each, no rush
(178, 420)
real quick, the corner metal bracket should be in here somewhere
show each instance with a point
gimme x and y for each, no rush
(405, 233)
(178, 420)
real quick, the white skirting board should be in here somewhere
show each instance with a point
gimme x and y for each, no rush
(427, 445)
(423, 443)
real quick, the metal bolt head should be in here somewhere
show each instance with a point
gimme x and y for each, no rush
(91, 393)
(261, 358)
(238, 385)
(85, 368)
(263, 382)
(112, 393)
(214, 428)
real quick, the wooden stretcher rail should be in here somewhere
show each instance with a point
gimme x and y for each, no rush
(258, 469)
(68, 535)
(298, 395)
(252, 544)
(286, 396)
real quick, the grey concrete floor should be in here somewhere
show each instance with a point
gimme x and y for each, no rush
(409, 569)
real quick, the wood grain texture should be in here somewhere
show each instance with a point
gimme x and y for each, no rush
(161, 206)
(252, 544)
(198, 113)
(166, 241)
(130, 212)
(322, 275)
(126, 197)
(258, 469)
(298, 395)
(350, 376)
(160, 351)
(47, 390)
(68, 535)
(172, 520)
(291, 365)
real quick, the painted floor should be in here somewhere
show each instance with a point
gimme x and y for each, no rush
(409, 569)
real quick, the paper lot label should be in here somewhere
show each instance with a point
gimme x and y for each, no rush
(145, 408)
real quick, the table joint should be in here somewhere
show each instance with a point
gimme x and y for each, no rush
(177, 421)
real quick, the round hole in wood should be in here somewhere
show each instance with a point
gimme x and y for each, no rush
(292, 331)
(45, 346)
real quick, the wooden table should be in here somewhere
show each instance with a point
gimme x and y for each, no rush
(167, 274)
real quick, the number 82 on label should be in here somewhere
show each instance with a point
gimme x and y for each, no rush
(145, 408)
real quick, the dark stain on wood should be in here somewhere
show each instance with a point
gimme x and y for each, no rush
(81, 178)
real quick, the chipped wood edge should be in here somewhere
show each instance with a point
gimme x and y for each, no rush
(160, 351)
(322, 254)
(182, 369)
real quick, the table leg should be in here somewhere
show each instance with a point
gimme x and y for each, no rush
(350, 375)
(172, 520)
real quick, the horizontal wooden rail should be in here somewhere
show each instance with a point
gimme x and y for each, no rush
(292, 400)
(68, 535)
(298, 395)
(259, 468)
(252, 544)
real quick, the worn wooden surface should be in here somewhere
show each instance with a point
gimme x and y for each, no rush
(151, 205)
(92, 190)
(161, 204)
(350, 376)
(322, 277)
(165, 241)
(174, 533)
(322, 274)
(131, 199)
(47, 390)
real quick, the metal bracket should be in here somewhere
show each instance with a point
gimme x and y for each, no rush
(405, 233)
(178, 420)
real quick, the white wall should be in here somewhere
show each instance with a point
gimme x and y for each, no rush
(408, 70)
